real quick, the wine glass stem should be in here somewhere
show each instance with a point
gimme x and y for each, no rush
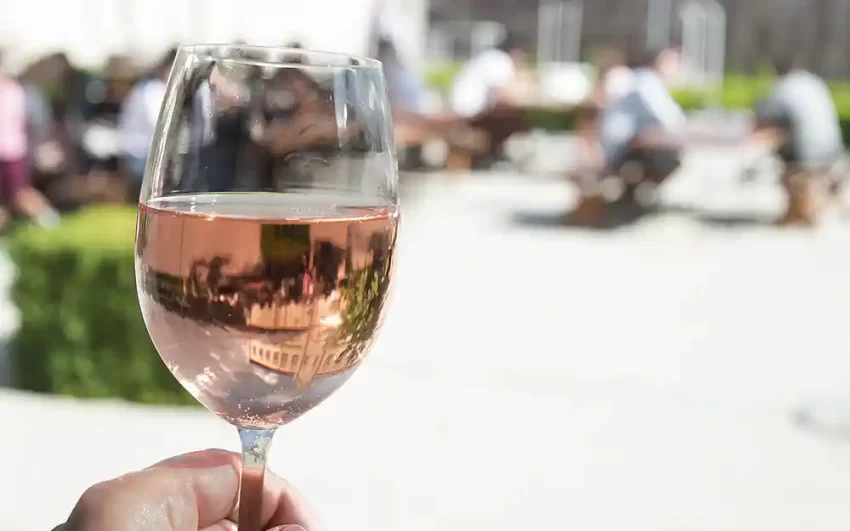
(255, 447)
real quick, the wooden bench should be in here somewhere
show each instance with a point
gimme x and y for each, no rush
(492, 128)
(632, 187)
(464, 143)
(600, 197)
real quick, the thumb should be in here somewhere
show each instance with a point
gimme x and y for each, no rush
(193, 491)
(288, 528)
(203, 484)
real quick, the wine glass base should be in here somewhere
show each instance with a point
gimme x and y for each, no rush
(826, 419)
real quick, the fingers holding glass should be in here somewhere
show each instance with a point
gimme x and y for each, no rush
(189, 492)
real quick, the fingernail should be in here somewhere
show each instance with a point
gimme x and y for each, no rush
(288, 528)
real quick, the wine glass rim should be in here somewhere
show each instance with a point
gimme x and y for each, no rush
(317, 58)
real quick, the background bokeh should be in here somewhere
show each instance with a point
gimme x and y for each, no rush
(683, 369)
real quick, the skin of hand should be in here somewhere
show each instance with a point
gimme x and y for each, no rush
(191, 492)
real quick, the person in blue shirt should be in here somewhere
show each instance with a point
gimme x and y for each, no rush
(406, 89)
(800, 118)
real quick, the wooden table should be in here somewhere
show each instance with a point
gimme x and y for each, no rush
(497, 125)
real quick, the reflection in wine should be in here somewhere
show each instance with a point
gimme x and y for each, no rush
(260, 296)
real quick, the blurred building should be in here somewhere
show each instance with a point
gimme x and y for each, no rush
(303, 358)
(754, 29)
(560, 30)
(295, 316)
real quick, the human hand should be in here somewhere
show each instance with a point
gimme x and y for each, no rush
(191, 492)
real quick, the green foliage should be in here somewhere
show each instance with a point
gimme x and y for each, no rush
(441, 76)
(739, 92)
(82, 332)
(365, 294)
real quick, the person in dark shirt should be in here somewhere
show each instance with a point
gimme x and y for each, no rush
(218, 131)
(295, 123)
(406, 90)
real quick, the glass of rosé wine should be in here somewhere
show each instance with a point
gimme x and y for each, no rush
(266, 232)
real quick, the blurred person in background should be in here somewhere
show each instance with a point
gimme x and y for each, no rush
(17, 190)
(200, 107)
(484, 96)
(223, 152)
(413, 127)
(799, 121)
(39, 115)
(51, 84)
(801, 109)
(640, 133)
(70, 96)
(614, 81)
(640, 141)
(231, 110)
(294, 122)
(49, 151)
(485, 81)
(137, 121)
(615, 78)
(45, 153)
(406, 89)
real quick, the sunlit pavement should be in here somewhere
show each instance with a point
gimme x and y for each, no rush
(536, 377)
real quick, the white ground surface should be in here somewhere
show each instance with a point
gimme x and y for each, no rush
(535, 377)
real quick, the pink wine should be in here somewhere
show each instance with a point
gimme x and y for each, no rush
(262, 304)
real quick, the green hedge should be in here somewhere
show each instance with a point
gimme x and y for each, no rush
(82, 332)
(738, 93)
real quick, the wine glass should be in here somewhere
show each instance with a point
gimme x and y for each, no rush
(266, 232)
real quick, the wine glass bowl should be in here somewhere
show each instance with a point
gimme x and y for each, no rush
(262, 318)
(267, 226)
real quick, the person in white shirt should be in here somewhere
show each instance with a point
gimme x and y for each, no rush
(483, 97)
(618, 82)
(485, 80)
(615, 78)
(139, 114)
(615, 81)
